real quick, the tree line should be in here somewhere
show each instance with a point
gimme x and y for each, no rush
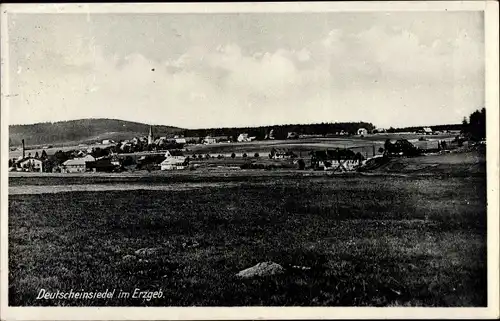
(417, 128)
(475, 127)
(281, 131)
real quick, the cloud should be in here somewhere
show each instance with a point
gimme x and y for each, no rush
(388, 76)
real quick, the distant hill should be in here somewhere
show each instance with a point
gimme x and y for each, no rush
(82, 131)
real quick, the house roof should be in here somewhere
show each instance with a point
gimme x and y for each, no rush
(172, 161)
(176, 153)
(74, 162)
(89, 158)
(29, 159)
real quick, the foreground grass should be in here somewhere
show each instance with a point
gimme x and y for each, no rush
(378, 241)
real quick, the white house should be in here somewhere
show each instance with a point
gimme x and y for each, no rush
(108, 141)
(209, 140)
(77, 165)
(171, 164)
(243, 137)
(174, 159)
(362, 132)
(32, 164)
(427, 130)
(180, 140)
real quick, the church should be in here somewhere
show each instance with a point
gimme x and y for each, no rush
(150, 136)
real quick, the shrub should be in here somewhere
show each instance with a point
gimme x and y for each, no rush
(256, 155)
(244, 154)
(301, 164)
(233, 155)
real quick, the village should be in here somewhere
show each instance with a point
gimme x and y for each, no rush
(150, 152)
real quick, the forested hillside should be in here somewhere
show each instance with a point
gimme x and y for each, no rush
(82, 130)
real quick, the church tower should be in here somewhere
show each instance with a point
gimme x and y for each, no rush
(150, 136)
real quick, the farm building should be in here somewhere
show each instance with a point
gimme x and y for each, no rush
(171, 164)
(108, 142)
(31, 164)
(180, 140)
(362, 132)
(243, 137)
(76, 165)
(281, 154)
(192, 139)
(209, 140)
(174, 159)
(426, 131)
(222, 139)
(175, 154)
(342, 159)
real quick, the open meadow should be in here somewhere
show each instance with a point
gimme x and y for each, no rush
(387, 238)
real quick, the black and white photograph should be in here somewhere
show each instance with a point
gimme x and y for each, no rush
(255, 155)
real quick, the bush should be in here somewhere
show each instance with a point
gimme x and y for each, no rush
(381, 150)
(256, 155)
(301, 164)
(233, 155)
(244, 155)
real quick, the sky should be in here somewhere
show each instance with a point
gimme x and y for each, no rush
(222, 70)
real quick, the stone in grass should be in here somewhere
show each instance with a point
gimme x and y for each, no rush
(146, 251)
(129, 258)
(261, 269)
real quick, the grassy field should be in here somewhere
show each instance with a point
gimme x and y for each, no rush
(368, 240)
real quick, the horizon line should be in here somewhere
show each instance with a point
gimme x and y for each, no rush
(226, 127)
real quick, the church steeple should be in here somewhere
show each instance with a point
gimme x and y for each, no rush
(150, 136)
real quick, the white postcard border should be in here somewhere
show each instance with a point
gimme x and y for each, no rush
(226, 313)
